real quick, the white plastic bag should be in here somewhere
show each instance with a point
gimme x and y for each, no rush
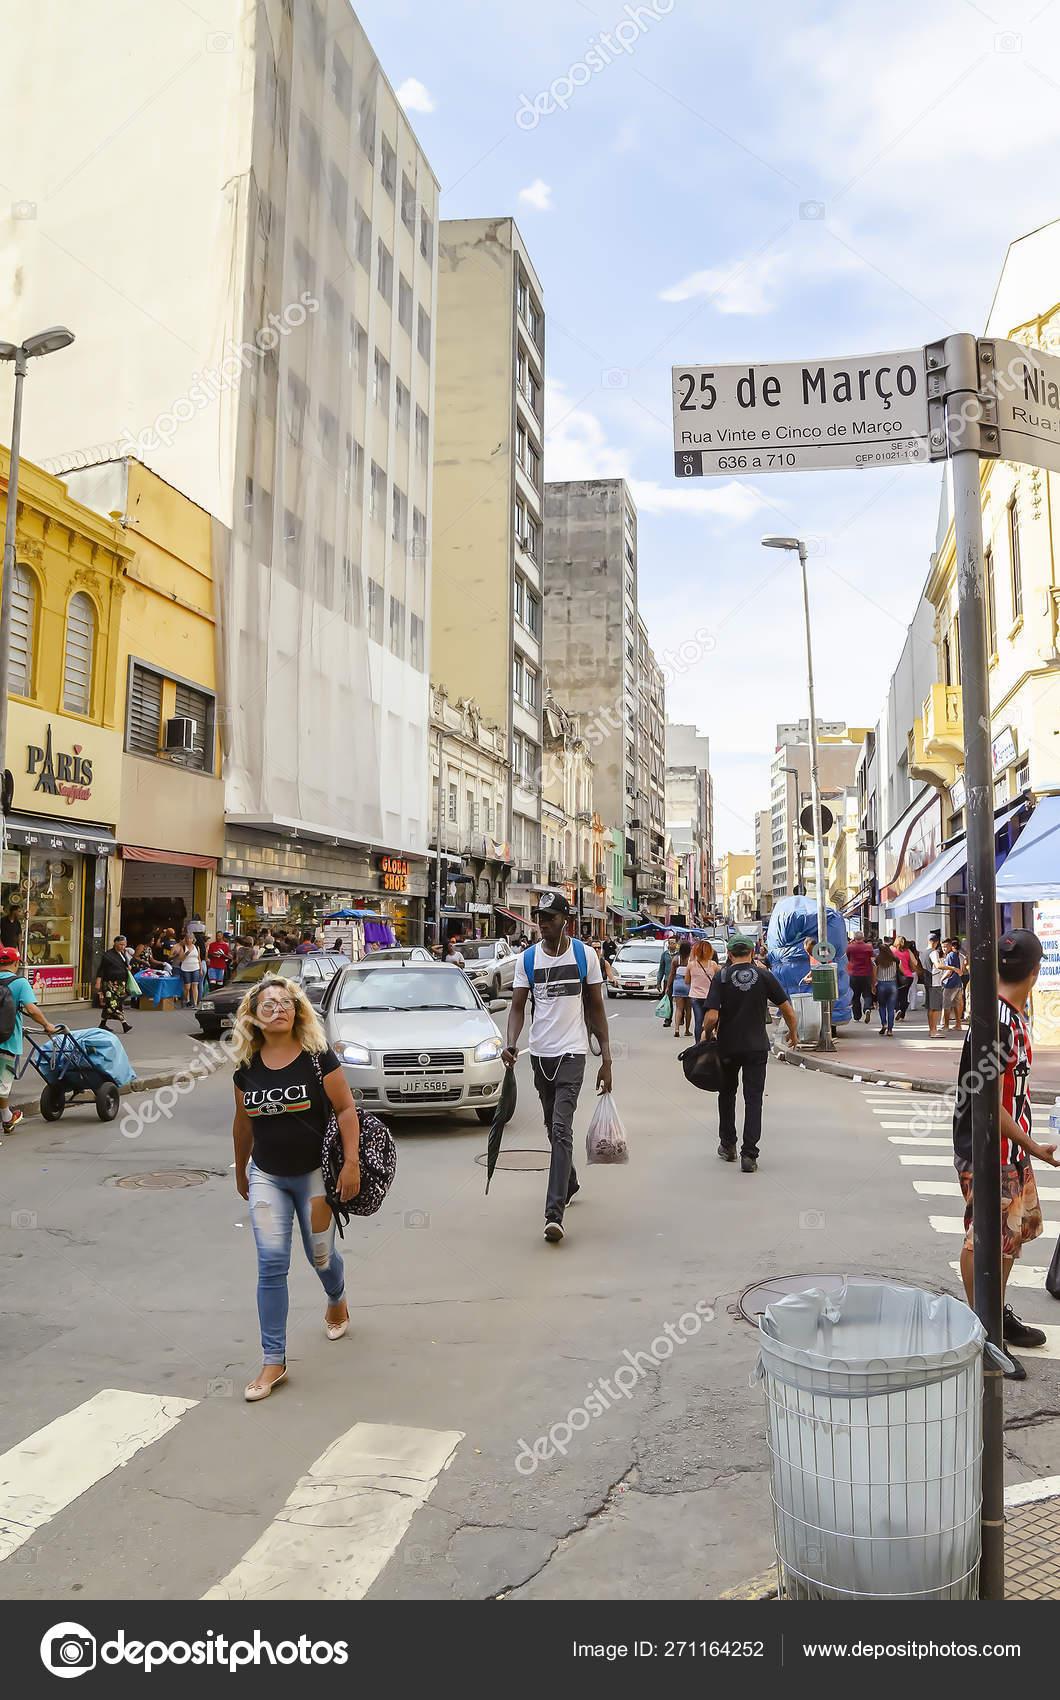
(606, 1140)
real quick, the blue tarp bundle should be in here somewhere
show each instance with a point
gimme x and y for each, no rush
(791, 923)
(103, 1048)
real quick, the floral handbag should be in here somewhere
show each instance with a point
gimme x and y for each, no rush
(378, 1163)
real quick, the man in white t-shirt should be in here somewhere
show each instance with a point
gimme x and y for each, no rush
(564, 996)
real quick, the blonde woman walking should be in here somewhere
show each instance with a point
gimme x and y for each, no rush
(287, 1084)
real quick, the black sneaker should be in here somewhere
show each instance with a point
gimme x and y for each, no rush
(727, 1153)
(1016, 1332)
(1017, 1372)
(553, 1232)
(571, 1196)
(749, 1165)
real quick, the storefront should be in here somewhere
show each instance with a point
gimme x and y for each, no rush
(268, 881)
(163, 888)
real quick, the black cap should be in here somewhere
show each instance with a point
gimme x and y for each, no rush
(1018, 954)
(553, 903)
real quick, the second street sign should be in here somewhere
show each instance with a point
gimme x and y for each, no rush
(870, 410)
(1026, 385)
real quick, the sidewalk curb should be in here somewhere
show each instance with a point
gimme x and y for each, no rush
(761, 1587)
(152, 1083)
(870, 1075)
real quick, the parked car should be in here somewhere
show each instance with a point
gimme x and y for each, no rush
(636, 969)
(401, 953)
(414, 1038)
(216, 1012)
(490, 965)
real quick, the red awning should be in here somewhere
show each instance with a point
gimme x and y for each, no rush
(175, 858)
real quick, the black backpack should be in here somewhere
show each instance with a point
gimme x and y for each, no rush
(702, 1065)
(8, 1010)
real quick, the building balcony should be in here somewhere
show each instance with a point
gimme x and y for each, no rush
(944, 724)
(928, 769)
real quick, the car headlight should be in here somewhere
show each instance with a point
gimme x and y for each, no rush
(207, 1003)
(488, 1051)
(359, 1055)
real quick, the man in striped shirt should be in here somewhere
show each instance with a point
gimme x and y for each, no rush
(1019, 955)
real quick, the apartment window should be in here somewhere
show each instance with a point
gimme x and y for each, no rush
(405, 303)
(351, 590)
(339, 198)
(532, 465)
(79, 655)
(629, 556)
(486, 809)
(416, 642)
(304, 269)
(423, 333)
(399, 519)
(341, 82)
(366, 126)
(388, 167)
(426, 235)
(144, 720)
(991, 604)
(297, 401)
(522, 296)
(529, 687)
(423, 435)
(381, 381)
(332, 308)
(325, 571)
(517, 754)
(385, 272)
(530, 537)
(402, 407)
(630, 620)
(472, 822)
(375, 610)
(308, 149)
(631, 654)
(518, 594)
(947, 669)
(23, 629)
(362, 236)
(377, 494)
(955, 652)
(419, 534)
(358, 358)
(354, 474)
(329, 435)
(631, 589)
(397, 627)
(292, 542)
(517, 678)
(533, 613)
(1014, 558)
(452, 802)
(408, 202)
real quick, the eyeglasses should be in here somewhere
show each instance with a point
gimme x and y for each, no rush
(269, 1006)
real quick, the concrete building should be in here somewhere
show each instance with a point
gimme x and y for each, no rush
(601, 666)
(734, 883)
(473, 755)
(838, 748)
(572, 864)
(487, 553)
(261, 334)
(688, 811)
(763, 862)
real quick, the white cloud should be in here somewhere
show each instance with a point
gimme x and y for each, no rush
(732, 501)
(576, 444)
(537, 194)
(414, 97)
(807, 257)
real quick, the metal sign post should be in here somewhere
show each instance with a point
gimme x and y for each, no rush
(963, 400)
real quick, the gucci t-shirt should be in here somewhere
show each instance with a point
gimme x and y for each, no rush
(742, 994)
(289, 1111)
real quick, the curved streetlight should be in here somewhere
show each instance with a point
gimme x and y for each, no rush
(797, 546)
(48, 341)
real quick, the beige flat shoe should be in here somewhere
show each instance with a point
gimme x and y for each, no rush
(261, 1390)
(335, 1330)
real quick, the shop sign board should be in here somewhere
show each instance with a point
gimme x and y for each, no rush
(394, 873)
(1047, 927)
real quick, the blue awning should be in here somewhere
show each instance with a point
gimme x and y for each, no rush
(1030, 872)
(928, 889)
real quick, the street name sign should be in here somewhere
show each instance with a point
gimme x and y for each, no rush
(800, 416)
(1026, 386)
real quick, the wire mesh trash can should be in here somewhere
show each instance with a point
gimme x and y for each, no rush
(874, 1399)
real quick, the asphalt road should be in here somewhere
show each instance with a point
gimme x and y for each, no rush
(470, 1335)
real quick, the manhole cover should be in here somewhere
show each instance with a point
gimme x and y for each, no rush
(520, 1159)
(753, 1300)
(164, 1178)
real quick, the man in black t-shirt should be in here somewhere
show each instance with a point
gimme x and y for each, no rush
(737, 1006)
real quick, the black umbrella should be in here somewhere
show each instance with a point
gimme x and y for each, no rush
(504, 1112)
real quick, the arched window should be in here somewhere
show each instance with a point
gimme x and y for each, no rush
(23, 627)
(80, 652)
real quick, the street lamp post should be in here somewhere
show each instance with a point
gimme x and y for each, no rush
(825, 1042)
(44, 342)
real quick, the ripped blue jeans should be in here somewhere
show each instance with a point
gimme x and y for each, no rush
(274, 1201)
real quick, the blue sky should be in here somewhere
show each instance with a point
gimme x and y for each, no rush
(748, 182)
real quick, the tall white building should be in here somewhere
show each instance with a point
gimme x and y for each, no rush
(230, 209)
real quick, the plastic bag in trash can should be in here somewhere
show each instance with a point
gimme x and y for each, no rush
(874, 1396)
(606, 1140)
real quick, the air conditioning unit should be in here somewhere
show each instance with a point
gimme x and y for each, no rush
(180, 733)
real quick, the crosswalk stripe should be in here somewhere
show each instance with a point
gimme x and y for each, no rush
(44, 1474)
(938, 1189)
(910, 1121)
(343, 1521)
(1022, 1275)
(955, 1225)
(930, 1160)
(913, 1139)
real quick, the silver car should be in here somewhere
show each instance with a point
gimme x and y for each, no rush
(636, 969)
(489, 964)
(414, 1038)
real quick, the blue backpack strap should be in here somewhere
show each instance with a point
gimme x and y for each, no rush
(528, 970)
(579, 957)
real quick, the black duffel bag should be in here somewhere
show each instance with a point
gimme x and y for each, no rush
(702, 1065)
